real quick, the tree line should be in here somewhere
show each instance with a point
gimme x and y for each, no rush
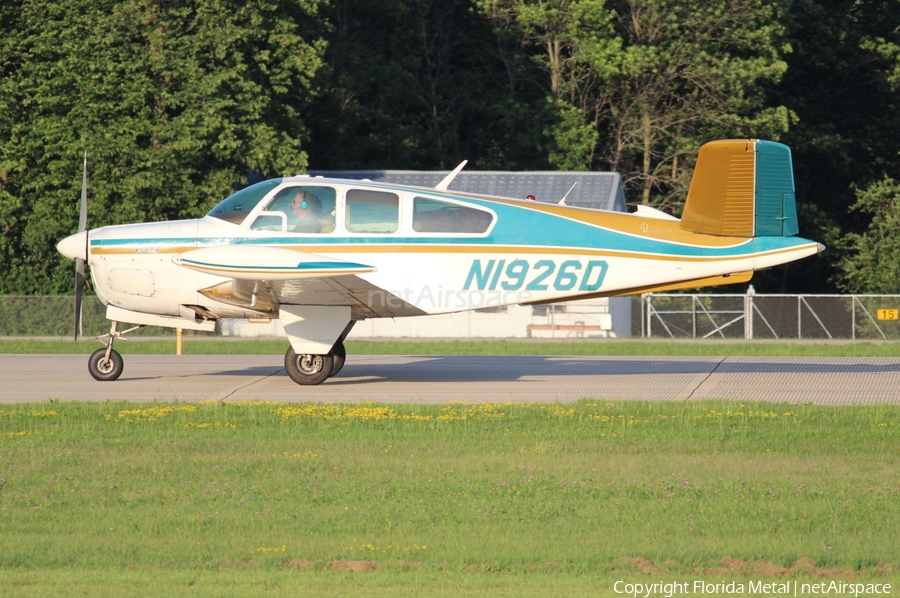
(178, 103)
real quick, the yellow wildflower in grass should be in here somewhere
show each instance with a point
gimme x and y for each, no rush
(282, 548)
(335, 412)
(485, 411)
(369, 413)
(35, 414)
(369, 547)
(206, 425)
(309, 411)
(714, 414)
(604, 419)
(42, 414)
(558, 411)
(151, 414)
(306, 455)
(416, 417)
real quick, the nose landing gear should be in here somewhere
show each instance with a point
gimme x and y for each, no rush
(107, 364)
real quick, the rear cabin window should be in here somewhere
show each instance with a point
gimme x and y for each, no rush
(433, 216)
(374, 212)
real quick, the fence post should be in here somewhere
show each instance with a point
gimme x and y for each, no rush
(694, 300)
(648, 297)
(643, 328)
(748, 313)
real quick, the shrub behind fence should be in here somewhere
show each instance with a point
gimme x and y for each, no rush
(54, 315)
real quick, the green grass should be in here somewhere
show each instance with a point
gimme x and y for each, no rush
(495, 500)
(218, 346)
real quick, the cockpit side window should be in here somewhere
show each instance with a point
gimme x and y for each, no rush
(305, 209)
(237, 206)
(433, 216)
(371, 211)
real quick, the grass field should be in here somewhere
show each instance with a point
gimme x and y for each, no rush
(219, 346)
(119, 499)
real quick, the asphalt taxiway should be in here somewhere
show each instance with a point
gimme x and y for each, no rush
(444, 379)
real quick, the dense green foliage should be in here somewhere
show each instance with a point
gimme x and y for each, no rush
(874, 263)
(177, 103)
(174, 102)
(644, 490)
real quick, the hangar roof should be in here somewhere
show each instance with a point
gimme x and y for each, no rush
(598, 190)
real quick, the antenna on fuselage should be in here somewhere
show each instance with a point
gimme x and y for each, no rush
(562, 202)
(444, 184)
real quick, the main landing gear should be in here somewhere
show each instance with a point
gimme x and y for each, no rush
(106, 364)
(310, 370)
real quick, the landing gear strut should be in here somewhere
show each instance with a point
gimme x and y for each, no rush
(106, 364)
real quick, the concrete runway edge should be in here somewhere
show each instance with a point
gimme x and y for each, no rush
(476, 379)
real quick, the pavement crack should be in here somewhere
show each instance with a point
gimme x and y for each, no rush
(702, 382)
(249, 384)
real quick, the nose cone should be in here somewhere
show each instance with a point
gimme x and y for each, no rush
(74, 246)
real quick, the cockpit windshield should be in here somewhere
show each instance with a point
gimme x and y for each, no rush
(235, 208)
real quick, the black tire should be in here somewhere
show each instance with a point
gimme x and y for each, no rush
(103, 369)
(339, 354)
(308, 370)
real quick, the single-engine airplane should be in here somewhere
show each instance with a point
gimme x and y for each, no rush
(322, 254)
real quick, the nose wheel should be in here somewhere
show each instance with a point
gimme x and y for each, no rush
(106, 364)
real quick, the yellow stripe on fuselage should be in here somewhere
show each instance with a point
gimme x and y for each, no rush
(406, 248)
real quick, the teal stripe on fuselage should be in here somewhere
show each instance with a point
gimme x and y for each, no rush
(301, 267)
(516, 226)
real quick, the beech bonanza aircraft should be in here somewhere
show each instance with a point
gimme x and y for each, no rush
(322, 254)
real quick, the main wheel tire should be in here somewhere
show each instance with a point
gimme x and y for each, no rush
(306, 369)
(103, 369)
(339, 354)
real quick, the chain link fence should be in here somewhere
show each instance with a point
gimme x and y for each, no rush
(854, 317)
(54, 315)
(663, 315)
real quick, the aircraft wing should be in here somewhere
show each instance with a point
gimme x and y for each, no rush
(259, 262)
(264, 278)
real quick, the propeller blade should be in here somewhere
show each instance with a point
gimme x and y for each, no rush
(79, 293)
(82, 216)
(79, 262)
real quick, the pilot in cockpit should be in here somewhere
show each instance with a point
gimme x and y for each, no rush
(306, 214)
